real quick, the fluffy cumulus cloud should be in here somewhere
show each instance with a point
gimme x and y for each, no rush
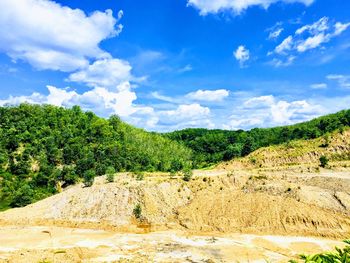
(68, 40)
(265, 111)
(108, 72)
(237, 6)
(185, 115)
(102, 101)
(306, 38)
(242, 55)
(208, 95)
(50, 36)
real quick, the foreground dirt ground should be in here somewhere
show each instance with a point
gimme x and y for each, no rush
(58, 244)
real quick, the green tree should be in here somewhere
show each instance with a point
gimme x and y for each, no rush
(22, 196)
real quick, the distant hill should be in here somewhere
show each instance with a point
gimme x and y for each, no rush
(212, 146)
(43, 147)
(334, 146)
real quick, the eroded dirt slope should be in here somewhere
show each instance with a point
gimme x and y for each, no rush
(249, 202)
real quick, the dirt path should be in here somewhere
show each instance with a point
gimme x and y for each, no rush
(56, 244)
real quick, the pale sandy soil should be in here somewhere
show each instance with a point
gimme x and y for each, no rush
(57, 244)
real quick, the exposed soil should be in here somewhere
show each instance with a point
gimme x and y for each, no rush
(57, 244)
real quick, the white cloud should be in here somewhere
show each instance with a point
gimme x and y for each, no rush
(159, 96)
(237, 6)
(320, 32)
(306, 38)
(286, 45)
(186, 68)
(276, 33)
(282, 62)
(319, 86)
(312, 42)
(340, 28)
(109, 72)
(99, 100)
(59, 97)
(185, 115)
(35, 98)
(260, 102)
(208, 95)
(315, 28)
(267, 111)
(185, 112)
(242, 55)
(343, 80)
(50, 36)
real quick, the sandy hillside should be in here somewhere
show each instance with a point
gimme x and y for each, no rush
(336, 146)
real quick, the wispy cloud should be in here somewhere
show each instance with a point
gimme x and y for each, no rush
(186, 68)
(306, 38)
(236, 6)
(343, 80)
(319, 86)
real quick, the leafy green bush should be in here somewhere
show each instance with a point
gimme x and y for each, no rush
(137, 211)
(110, 172)
(89, 177)
(338, 256)
(187, 174)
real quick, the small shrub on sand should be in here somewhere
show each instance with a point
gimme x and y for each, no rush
(110, 172)
(137, 211)
(323, 161)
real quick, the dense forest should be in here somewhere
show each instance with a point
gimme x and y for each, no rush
(212, 146)
(45, 147)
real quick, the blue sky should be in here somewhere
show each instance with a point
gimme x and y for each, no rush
(170, 64)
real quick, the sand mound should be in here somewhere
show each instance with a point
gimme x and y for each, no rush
(105, 205)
